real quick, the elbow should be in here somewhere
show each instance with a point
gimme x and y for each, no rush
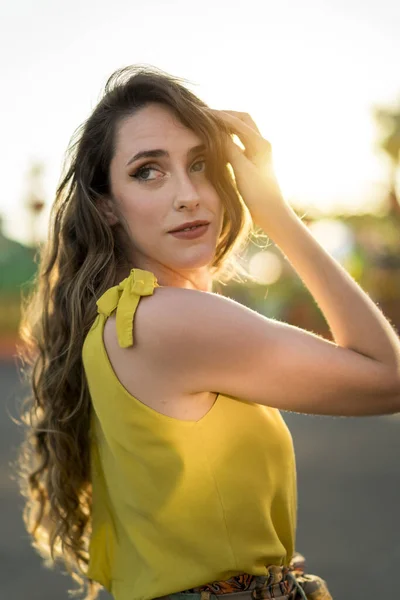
(383, 398)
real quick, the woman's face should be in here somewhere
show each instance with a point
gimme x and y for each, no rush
(163, 190)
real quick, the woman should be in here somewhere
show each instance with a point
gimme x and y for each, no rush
(157, 462)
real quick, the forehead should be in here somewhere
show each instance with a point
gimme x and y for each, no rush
(153, 127)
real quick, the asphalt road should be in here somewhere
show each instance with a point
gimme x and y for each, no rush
(349, 500)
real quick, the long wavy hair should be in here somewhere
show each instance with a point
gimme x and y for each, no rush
(80, 260)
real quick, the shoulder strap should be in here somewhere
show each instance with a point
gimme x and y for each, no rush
(125, 297)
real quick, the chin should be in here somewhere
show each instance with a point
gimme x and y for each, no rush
(191, 261)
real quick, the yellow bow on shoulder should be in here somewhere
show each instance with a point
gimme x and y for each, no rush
(125, 297)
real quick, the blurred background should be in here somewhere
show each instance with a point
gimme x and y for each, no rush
(321, 80)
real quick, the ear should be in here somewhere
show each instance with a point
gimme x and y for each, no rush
(107, 207)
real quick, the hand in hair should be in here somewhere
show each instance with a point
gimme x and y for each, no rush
(253, 167)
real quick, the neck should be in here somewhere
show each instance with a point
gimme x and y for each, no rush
(195, 279)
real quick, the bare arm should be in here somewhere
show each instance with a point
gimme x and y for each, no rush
(196, 341)
(202, 342)
(355, 321)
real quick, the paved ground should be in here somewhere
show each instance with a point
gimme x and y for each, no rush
(349, 499)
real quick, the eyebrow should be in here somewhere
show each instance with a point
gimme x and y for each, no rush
(162, 153)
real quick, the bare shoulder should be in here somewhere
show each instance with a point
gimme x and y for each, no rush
(176, 318)
(210, 342)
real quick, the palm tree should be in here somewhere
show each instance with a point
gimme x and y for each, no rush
(389, 123)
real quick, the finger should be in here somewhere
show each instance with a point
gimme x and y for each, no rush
(238, 120)
(245, 117)
(236, 124)
(254, 143)
(235, 153)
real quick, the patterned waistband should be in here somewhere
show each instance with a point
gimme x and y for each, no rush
(281, 583)
(277, 581)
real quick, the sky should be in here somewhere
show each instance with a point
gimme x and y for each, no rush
(308, 72)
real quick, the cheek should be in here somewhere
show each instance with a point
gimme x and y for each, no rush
(140, 210)
(210, 193)
(142, 219)
(220, 209)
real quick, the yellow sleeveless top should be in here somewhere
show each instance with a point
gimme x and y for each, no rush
(178, 504)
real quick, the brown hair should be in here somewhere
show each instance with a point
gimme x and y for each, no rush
(78, 262)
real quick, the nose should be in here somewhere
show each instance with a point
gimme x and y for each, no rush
(187, 194)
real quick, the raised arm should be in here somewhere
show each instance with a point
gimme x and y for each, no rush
(214, 344)
(355, 321)
(196, 342)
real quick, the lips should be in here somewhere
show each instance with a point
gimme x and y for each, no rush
(186, 225)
